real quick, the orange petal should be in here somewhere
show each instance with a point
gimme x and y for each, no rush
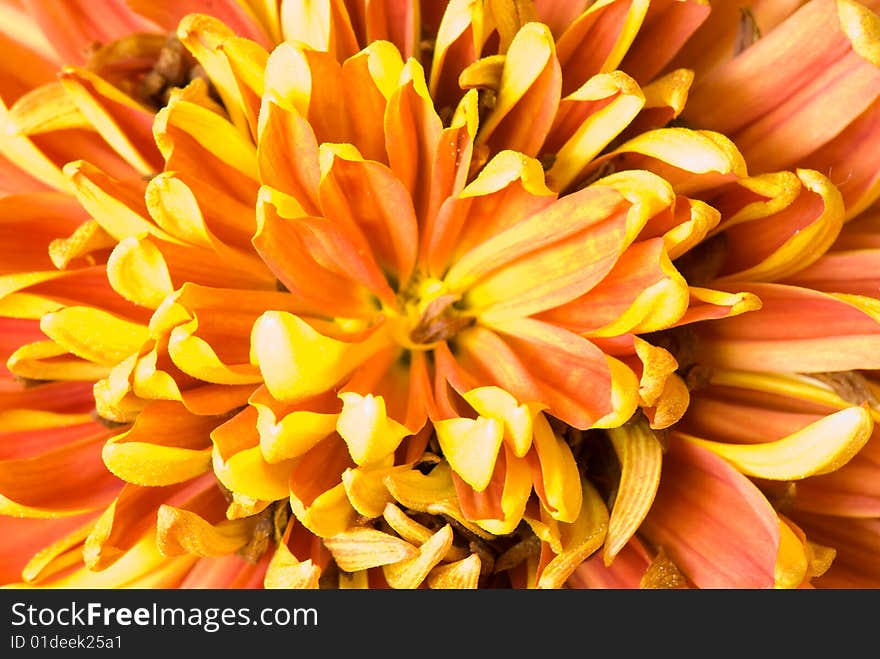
(666, 28)
(712, 521)
(777, 125)
(71, 28)
(826, 332)
(364, 194)
(629, 565)
(598, 39)
(129, 517)
(62, 481)
(850, 491)
(528, 94)
(412, 134)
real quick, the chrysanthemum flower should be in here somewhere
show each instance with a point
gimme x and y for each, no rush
(382, 295)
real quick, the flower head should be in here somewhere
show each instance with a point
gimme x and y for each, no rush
(388, 295)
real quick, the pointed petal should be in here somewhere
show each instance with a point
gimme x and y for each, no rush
(820, 448)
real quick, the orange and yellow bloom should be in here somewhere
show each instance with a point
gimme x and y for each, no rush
(447, 295)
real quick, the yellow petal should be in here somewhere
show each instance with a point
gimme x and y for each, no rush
(247, 473)
(597, 129)
(559, 473)
(90, 93)
(672, 403)
(108, 202)
(657, 365)
(669, 91)
(791, 560)
(694, 151)
(657, 307)
(210, 131)
(518, 481)
(137, 271)
(460, 575)
(63, 553)
(799, 387)
(409, 574)
(366, 489)
(329, 514)
(820, 448)
(184, 532)
(88, 237)
(510, 16)
(17, 420)
(641, 456)
(162, 447)
(44, 109)
(298, 362)
(370, 434)
(363, 548)
(624, 394)
(691, 233)
(471, 447)
(204, 36)
(196, 357)
(495, 403)
(321, 24)
(530, 59)
(46, 360)
(285, 571)
(93, 334)
(149, 464)
(294, 434)
(578, 540)
(432, 493)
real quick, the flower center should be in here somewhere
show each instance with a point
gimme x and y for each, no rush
(425, 315)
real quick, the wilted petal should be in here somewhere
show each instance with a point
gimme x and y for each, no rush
(577, 540)
(363, 548)
(131, 516)
(463, 574)
(640, 455)
(410, 573)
